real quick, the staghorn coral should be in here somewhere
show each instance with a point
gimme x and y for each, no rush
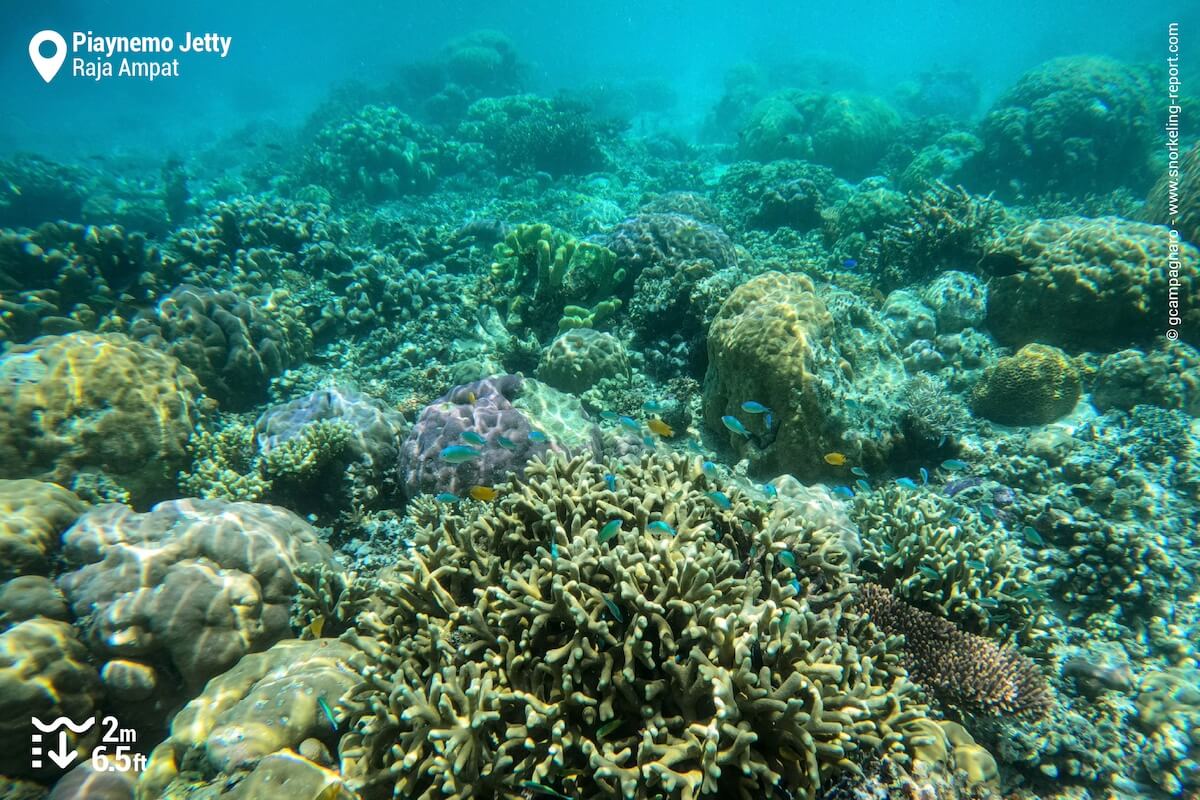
(32, 516)
(232, 345)
(1089, 284)
(1035, 385)
(963, 670)
(86, 401)
(518, 647)
(578, 359)
(541, 276)
(186, 589)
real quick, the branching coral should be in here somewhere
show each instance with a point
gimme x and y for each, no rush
(964, 670)
(700, 649)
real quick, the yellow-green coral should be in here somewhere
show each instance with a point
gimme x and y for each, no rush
(224, 466)
(699, 650)
(541, 272)
(1035, 385)
(32, 515)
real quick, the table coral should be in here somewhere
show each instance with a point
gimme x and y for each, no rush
(96, 402)
(700, 650)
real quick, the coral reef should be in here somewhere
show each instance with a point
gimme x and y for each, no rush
(1165, 375)
(84, 402)
(32, 516)
(183, 591)
(578, 359)
(234, 347)
(1037, 384)
(1186, 201)
(1089, 283)
(782, 193)
(847, 133)
(678, 657)
(377, 154)
(1075, 124)
(527, 133)
(961, 669)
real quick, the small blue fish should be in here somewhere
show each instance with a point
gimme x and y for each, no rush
(769, 490)
(538, 437)
(924, 477)
(610, 529)
(733, 424)
(608, 728)
(553, 548)
(1029, 591)
(541, 788)
(973, 564)
(473, 438)
(754, 407)
(609, 416)
(956, 520)
(447, 497)
(1033, 537)
(709, 469)
(614, 610)
(648, 441)
(988, 512)
(954, 465)
(460, 454)
(661, 526)
(859, 471)
(652, 406)
(611, 480)
(862, 485)
(850, 263)
(906, 483)
(787, 559)
(843, 491)
(721, 499)
(769, 421)
(796, 585)
(928, 572)
(630, 423)
(327, 711)
(988, 602)
(783, 620)
(506, 443)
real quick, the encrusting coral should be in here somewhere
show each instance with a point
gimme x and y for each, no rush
(617, 637)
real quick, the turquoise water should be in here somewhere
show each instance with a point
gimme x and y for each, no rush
(640, 400)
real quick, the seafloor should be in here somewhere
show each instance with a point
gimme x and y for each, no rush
(470, 443)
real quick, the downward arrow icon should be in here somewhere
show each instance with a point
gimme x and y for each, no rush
(64, 755)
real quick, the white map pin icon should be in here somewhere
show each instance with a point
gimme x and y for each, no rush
(48, 67)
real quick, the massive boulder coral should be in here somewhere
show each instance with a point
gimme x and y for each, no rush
(578, 359)
(1166, 375)
(1035, 385)
(528, 133)
(1073, 125)
(377, 154)
(777, 342)
(45, 672)
(32, 516)
(233, 346)
(517, 418)
(668, 239)
(1180, 193)
(1090, 284)
(697, 650)
(91, 402)
(270, 702)
(849, 133)
(177, 595)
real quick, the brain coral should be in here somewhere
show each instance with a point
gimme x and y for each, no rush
(96, 402)
(1035, 385)
(232, 345)
(490, 408)
(577, 359)
(267, 703)
(684, 656)
(846, 132)
(32, 515)
(1089, 284)
(654, 239)
(187, 588)
(44, 672)
(777, 343)
(1076, 124)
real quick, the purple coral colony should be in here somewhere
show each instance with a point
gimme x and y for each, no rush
(489, 433)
